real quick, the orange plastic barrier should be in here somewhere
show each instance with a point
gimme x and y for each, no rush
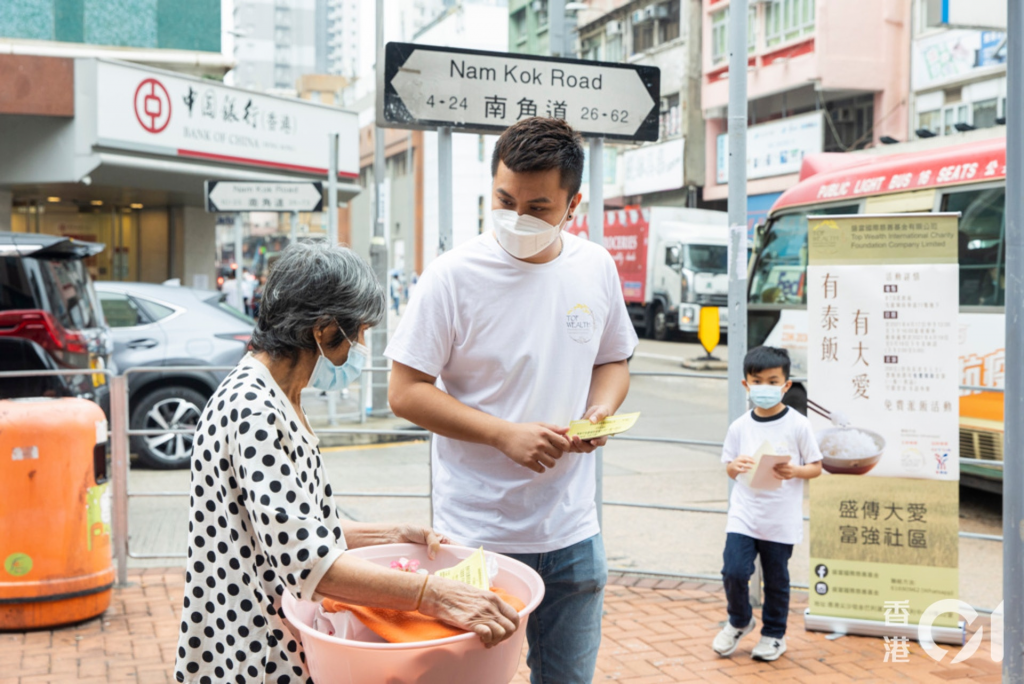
(55, 512)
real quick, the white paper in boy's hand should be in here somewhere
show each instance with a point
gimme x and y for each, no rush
(761, 475)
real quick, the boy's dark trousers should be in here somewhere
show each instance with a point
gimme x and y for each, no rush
(740, 551)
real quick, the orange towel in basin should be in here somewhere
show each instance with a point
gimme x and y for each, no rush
(401, 627)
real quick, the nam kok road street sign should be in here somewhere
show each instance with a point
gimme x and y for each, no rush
(259, 196)
(429, 87)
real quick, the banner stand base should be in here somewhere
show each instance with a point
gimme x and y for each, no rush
(955, 636)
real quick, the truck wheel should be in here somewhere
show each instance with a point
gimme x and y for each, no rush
(657, 326)
(177, 408)
(797, 398)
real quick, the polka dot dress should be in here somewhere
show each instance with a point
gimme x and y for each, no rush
(262, 520)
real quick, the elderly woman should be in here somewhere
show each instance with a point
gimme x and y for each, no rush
(262, 515)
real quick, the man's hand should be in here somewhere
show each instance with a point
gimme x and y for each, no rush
(536, 446)
(784, 471)
(739, 465)
(595, 414)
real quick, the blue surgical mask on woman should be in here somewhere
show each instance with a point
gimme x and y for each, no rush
(326, 376)
(765, 396)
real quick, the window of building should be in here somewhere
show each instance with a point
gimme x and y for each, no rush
(643, 36)
(985, 113)
(668, 21)
(590, 48)
(519, 26)
(720, 33)
(540, 8)
(613, 48)
(930, 14)
(720, 36)
(669, 117)
(480, 213)
(787, 20)
(480, 148)
(951, 116)
(931, 121)
(849, 123)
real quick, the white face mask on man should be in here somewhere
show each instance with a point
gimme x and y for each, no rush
(524, 236)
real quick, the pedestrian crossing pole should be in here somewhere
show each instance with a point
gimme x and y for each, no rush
(738, 226)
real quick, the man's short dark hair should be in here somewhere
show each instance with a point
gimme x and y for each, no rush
(760, 359)
(542, 144)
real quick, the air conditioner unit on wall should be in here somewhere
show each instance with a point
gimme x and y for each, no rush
(661, 11)
(649, 12)
(639, 17)
(613, 28)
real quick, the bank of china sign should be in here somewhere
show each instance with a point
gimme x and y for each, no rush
(159, 113)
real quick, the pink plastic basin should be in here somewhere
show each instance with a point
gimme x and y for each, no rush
(444, 661)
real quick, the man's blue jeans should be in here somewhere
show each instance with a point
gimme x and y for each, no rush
(564, 632)
(740, 551)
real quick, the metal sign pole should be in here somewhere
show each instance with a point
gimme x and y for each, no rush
(1013, 468)
(738, 225)
(444, 189)
(595, 228)
(332, 189)
(238, 248)
(379, 255)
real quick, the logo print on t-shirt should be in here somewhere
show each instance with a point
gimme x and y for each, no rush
(579, 321)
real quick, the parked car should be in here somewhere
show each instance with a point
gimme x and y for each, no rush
(50, 318)
(160, 325)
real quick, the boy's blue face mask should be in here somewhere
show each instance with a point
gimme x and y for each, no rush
(326, 376)
(765, 396)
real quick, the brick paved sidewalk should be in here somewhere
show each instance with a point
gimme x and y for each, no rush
(654, 631)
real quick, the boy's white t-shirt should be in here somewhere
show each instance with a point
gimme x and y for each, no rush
(518, 341)
(770, 515)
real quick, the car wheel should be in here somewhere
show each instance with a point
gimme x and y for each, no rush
(173, 408)
(657, 324)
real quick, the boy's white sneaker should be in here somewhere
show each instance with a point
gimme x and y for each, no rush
(729, 638)
(769, 648)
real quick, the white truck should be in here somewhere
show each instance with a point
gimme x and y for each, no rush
(672, 261)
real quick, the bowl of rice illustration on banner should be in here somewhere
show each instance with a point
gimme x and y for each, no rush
(850, 450)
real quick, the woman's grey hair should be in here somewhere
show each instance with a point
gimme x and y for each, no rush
(310, 286)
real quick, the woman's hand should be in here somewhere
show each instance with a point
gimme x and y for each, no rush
(413, 534)
(466, 607)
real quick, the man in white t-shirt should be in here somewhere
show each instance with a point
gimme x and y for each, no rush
(509, 338)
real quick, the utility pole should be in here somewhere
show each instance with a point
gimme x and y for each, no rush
(378, 238)
(1013, 467)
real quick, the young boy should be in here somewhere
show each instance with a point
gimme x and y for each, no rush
(764, 522)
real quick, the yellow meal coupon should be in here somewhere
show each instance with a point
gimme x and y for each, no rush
(612, 425)
(472, 571)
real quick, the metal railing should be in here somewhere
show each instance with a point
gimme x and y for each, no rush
(121, 434)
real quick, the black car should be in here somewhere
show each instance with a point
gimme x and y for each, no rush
(50, 318)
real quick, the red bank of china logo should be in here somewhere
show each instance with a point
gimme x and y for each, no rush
(152, 105)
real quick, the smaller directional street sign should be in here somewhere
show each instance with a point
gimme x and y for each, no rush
(429, 87)
(258, 196)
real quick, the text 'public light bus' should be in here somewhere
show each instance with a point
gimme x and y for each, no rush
(970, 178)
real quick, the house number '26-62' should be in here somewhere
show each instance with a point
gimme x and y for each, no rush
(616, 115)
